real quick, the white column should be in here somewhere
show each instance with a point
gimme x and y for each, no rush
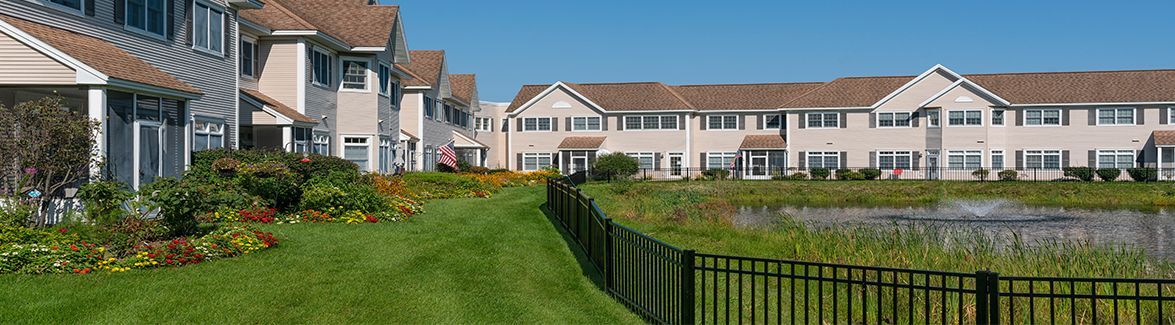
(96, 108)
(287, 139)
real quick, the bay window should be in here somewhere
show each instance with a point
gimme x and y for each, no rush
(354, 75)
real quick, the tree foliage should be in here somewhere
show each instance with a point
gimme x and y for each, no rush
(616, 165)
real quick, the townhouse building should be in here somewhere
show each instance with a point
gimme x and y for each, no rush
(436, 109)
(938, 120)
(157, 74)
(319, 76)
(488, 129)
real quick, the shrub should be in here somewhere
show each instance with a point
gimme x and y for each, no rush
(616, 165)
(799, 176)
(841, 172)
(14, 213)
(103, 201)
(1143, 174)
(819, 173)
(272, 182)
(123, 235)
(444, 186)
(1082, 173)
(226, 165)
(1108, 174)
(981, 174)
(716, 173)
(1008, 175)
(179, 201)
(871, 173)
(478, 170)
(849, 175)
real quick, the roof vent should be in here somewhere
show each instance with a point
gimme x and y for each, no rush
(561, 104)
(964, 99)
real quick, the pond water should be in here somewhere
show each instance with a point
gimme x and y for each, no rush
(1153, 232)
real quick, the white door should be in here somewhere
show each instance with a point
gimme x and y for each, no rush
(675, 162)
(757, 166)
(149, 141)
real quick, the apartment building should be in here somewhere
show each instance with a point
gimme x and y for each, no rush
(320, 76)
(131, 65)
(488, 128)
(437, 108)
(921, 124)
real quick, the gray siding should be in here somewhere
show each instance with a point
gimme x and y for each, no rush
(215, 76)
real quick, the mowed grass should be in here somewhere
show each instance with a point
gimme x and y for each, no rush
(495, 260)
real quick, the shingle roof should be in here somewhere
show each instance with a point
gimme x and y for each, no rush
(277, 106)
(767, 141)
(525, 94)
(102, 55)
(582, 142)
(1164, 138)
(626, 96)
(464, 86)
(352, 21)
(1080, 87)
(849, 92)
(743, 96)
(426, 64)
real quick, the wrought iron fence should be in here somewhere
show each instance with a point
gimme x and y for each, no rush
(666, 284)
(1145, 174)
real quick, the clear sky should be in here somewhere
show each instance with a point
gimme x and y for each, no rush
(515, 42)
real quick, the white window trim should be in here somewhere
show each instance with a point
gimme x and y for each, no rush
(1060, 117)
(824, 153)
(808, 124)
(724, 154)
(964, 152)
(982, 116)
(1003, 154)
(256, 53)
(1003, 122)
(934, 123)
(80, 11)
(722, 121)
(536, 155)
(550, 127)
(909, 121)
(1170, 115)
(315, 138)
(342, 73)
(209, 120)
(624, 123)
(897, 152)
(1116, 153)
(599, 126)
(644, 154)
(1133, 116)
(1060, 158)
(385, 85)
(313, 67)
(223, 25)
(143, 31)
(782, 121)
(367, 144)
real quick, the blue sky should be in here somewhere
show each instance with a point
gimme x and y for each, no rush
(510, 43)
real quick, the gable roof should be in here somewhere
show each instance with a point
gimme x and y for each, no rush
(464, 86)
(355, 22)
(277, 106)
(763, 141)
(625, 96)
(1164, 138)
(1081, 87)
(849, 92)
(582, 142)
(102, 56)
(743, 96)
(426, 64)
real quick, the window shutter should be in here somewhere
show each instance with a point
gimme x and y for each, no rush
(758, 122)
(1164, 115)
(803, 121)
(844, 120)
(568, 123)
(620, 123)
(914, 159)
(681, 122)
(872, 120)
(702, 161)
(1065, 117)
(120, 11)
(518, 122)
(872, 159)
(803, 163)
(705, 123)
(555, 124)
(188, 21)
(1016, 115)
(742, 121)
(228, 34)
(170, 19)
(1092, 116)
(844, 160)
(518, 163)
(1092, 159)
(914, 119)
(90, 7)
(1064, 158)
(1139, 116)
(1019, 159)
(603, 123)
(657, 161)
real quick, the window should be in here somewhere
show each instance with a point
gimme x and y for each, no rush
(997, 117)
(1042, 159)
(448, 112)
(1120, 159)
(150, 16)
(585, 123)
(301, 139)
(893, 120)
(207, 28)
(890, 160)
(395, 92)
(536, 124)
(823, 120)
(1040, 117)
(483, 124)
(965, 118)
(965, 159)
(209, 134)
(321, 144)
(720, 160)
(773, 122)
(438, 115)
(322, 67)
(645, 159)
(248, 58)
(932, 118)
(355, 150)
(650, 122)
(429, 163)
(535, 160)
(385, 77)
(997, 160)
(824, 159)
(1115, 116)
(354, 75)
(722, 122)
(385, 154)
(1171, 115)
(428, 111)
(72, 4)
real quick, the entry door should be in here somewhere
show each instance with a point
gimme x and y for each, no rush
(932, 165)
(675, 162)
(579, 161)
(758, 168)
(149, 140)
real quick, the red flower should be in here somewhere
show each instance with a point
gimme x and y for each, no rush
(73, 247)
(371, 219)
(305, 159)
(63, 230)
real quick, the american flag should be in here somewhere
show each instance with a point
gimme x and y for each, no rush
(734, 162)
(448, 155)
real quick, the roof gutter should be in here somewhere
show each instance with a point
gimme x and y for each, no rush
(335, 43)
(1092, 104)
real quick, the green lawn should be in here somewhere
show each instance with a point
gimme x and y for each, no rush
(495, 260)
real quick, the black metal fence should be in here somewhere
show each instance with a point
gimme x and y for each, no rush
(1146, 174)
(666, 284)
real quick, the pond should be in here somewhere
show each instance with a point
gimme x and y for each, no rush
(1153, 232)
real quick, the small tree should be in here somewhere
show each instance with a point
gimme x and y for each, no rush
(981, 174)
(1082, 173)
(1008, 175)
(616, 165)
(1109, 174)
(44, 147)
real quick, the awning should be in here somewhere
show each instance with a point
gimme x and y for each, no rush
(462, 141)
(1164, 138)
(279, 113)
(763, 142)
(405, 136)
(585, 143)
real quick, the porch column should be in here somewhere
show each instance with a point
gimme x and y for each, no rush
(478, 155)
(287, 139)
(96, 110)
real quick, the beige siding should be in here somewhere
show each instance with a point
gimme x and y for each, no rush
(278, 74)
(919, 92)
(21, 65)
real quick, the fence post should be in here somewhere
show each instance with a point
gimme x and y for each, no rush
(608, 255)
(993, 293)
(687, 287)
(981, 299)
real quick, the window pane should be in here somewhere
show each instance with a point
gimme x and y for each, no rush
(135, 12)
(814, 120)
(730, 122)
(632, 122)
(355, 75)
(974, 118)
(215, 30)
(955, 118)
(199, 23)
(997, 117)
(1126, 116)
(831, 120)
(668, 122)
(155, 16)
(651, 122)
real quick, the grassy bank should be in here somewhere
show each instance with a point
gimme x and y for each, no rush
(494, 260)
